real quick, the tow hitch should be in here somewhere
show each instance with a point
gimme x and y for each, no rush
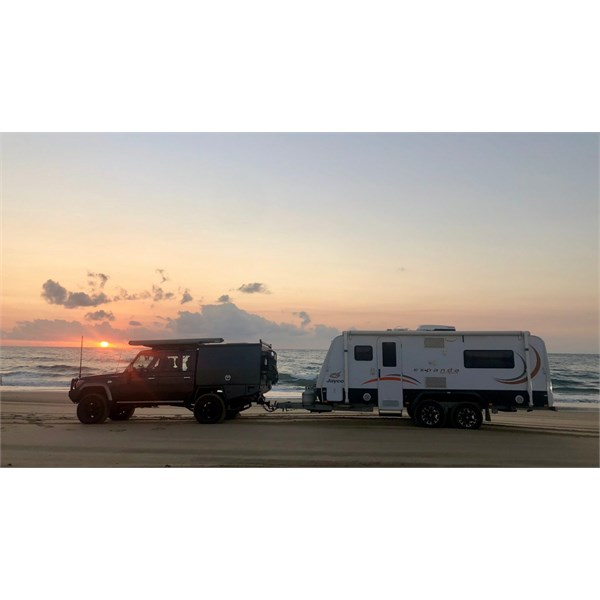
(266, 404)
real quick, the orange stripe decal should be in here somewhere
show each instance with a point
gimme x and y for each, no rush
(522, 378)
(393, 377)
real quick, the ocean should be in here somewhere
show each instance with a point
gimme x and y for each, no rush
(575, 377)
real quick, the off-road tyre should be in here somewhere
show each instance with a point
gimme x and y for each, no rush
(429, 413)
(120, 414)
(467, 415)
(92, 409)
(209, 409)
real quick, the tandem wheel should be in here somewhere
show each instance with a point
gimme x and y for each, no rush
(467, 415)
(429, 413)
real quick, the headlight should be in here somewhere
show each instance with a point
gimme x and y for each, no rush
(78, 383)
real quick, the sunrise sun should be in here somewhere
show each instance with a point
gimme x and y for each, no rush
(104, 344)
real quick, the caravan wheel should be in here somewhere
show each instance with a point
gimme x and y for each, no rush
(429, 413)
(467, 416)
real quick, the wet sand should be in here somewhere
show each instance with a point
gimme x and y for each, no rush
(40, 429)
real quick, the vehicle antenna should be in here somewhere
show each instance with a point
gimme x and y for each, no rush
(80, 357)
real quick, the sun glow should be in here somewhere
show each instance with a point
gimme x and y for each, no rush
(104, 344)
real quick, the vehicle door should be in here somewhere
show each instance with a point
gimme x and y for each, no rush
(176, 376)
(390, 382)
(139, 383)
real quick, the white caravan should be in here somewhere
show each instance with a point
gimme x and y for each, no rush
(439, 375)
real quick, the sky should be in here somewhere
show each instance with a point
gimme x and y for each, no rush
(293, 238)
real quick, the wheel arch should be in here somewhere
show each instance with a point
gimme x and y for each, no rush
(97, 389)
(472, 397)
(448, 397)
(202, 391)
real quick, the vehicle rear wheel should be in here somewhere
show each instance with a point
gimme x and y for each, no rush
(429, 413)
(92, 409)
(121, 414)
(209, 409)
(467, 416)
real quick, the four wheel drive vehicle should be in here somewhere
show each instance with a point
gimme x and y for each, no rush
(215, 381)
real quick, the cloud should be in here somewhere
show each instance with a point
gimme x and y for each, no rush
(325, 332)
(54, 293)
(159, 294)
(97, 280)
(45, 330)
(228, 321)
(100, 315)
(224, 298)
(253, 288)
(163, 275)
(79, 299)
(304, 318)
(125, 295)
(218, 320)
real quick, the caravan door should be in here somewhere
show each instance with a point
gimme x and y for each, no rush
(390, 388)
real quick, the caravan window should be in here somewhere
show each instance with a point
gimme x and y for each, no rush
(363, 352)
(489, 359)
(388, 354)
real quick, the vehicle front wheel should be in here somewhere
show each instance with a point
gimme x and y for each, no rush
(92, 409)
(209, 409)
(121, 414)
(467, 416)
(429, 413)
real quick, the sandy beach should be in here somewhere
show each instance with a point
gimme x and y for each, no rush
(40, 429)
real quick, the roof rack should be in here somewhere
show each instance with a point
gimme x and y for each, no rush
(180, 342)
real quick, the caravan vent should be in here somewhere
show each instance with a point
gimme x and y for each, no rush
(436, 328)
(435, 382)
(434, 342)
